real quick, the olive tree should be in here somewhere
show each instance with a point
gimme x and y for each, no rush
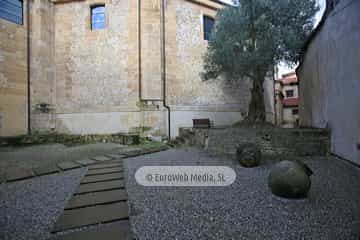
(251, 37)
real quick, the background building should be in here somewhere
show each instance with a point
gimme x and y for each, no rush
(329, 78)
(97, 67)
(287, 100)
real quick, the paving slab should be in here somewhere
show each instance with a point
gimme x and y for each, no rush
(68, 165)
(101, 158)
(91, 215)
(101, 178)
(105, 165)
(91, 199)
(115, 231)
(116, 156)
(16, 174)
(104, 170)
(45, 170)
(100, 186)
(86, 162)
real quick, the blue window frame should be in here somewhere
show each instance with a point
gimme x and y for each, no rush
(208, 27)
(98, 17)
(12, 10)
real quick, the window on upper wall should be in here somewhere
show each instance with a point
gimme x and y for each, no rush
(295, 111)
(97, 17)
(12, 10)
(208, 27)
(289, 93)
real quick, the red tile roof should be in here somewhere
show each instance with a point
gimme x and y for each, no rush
(291, 102)
(288, 79)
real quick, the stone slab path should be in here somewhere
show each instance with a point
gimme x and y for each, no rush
(100, 200)
(18, 174)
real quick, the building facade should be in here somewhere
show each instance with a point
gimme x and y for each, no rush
(99, 67)
(329, 78)
(287, 101)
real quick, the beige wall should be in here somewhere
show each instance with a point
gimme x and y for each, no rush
(96, 71)
(91, 78)
(185, 48)
(329, 80)
(42, 71)
(13, 77)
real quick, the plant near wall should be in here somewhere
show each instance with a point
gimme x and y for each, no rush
(252, 37)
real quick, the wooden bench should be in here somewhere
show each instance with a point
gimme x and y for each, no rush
(201, 123)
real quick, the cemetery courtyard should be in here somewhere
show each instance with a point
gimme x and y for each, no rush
(94, 195)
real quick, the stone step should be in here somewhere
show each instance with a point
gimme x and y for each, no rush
(102, 178)
(68, 165)
(103, 171)
(81, 217)
(114, 231)
(105, 165)
(17, 174)
(91, 199)
(101, 158)
(45, 170)
(100, 186)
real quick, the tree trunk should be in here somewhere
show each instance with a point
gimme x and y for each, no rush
(257, 105)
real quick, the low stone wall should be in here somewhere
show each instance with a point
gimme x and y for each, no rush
(272, 141)
(67, 139)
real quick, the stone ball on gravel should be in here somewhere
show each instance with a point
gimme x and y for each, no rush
(290, 179)
(248, 155)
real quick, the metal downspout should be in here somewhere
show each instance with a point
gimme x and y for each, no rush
(163, 63)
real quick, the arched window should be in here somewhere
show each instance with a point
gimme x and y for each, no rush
(98, 17)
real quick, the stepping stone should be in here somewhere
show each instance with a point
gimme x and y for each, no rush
(101, 158)
(116, 231)
(91, 215)
(86, 162)
(45, 170)
(100, 186)
(17, 174)
(68, 165)
(91, 199)
(115, 156)
(129, 150)
(103, 171)
(105, 165)
(102, 178)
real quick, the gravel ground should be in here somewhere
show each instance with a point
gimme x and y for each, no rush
(246, 209)
(42, 155)
(29, 208)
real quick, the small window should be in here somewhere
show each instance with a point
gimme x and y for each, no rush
(12, 10)
(97, 17)
(208, 27)
(289, 93)
(295, 111)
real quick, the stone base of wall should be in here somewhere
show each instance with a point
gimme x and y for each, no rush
(67, 139)
(272, 141)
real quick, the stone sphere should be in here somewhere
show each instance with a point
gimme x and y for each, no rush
(248, 155)
(290, 179)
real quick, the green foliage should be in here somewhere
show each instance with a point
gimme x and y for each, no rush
(252, 37)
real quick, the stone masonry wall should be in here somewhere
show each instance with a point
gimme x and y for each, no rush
(42, 72)
(96, 71)
(13, 77)
(272, 141)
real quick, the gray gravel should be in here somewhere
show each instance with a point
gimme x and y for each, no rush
(29, 208)
(246, 209)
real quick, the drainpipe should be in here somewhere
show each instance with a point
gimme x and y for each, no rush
(28, 68)
(163, 62)
(139, 48)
